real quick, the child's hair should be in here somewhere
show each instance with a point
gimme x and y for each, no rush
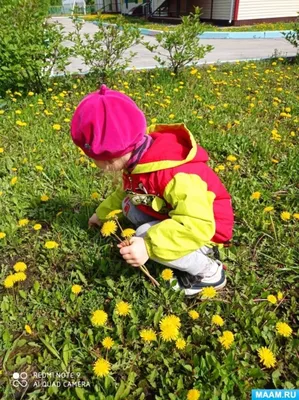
(107, 124)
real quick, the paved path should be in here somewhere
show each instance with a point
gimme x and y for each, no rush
(224, 49)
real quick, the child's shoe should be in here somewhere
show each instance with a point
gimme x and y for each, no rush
(194, 284)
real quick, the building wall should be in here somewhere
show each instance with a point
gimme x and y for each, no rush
(205, 6)
(223, 9)
(257, 9)
(214, 9)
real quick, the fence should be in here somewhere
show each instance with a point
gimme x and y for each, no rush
(66, 10)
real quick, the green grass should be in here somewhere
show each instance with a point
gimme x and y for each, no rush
(142, 23)
(233, 110)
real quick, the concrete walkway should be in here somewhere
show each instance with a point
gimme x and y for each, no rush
(225, 50)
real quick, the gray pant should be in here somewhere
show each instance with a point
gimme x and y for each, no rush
(195, 263)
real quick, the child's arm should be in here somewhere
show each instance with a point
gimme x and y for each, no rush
(113, 202)
(191, 224)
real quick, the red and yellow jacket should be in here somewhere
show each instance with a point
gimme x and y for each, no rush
(182, 191)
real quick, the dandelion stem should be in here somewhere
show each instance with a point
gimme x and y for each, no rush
(259, 300)
(116, 219)
(117, 237)
(153, 280)
(142, 267)
(273, 226)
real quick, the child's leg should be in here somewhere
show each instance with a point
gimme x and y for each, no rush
(133, 214)
(195, 263)
(195, 270)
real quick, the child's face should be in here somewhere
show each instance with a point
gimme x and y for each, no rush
(116, 164)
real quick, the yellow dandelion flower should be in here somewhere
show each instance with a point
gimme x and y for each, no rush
(217, 320)
(2, 235)
(227, 339)
(169, 327)
(101, 367)
(127, 233)
(39, 168)
(9, 282)
(169, 333)
(153, 120)
(171, 116)
(267, 357)
(1, 150)
(193, 394)
(44, 198)
(279, 296)
(285, 215)
(99, 318)
(268, 209)
(108, 228)
(180, 344)
(148, 335)
(20, 266)
(21, 123)
(123, 308)
(23, 222)
(14, 180)
(19, 276)
(94, 195)
(255, 195)
(272, 299)
(76, 289)
(193, 314)
(56, 127)
(231, 158)
(51, 245)
(284, 329)
(208, 292)
(37, 227)
(113, 213)
(28, 329)
(108, 342)
(173, 319)
(167, 274)
(296, 215)
(30, 94)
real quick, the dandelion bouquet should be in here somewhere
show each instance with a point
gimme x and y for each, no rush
(111, 226)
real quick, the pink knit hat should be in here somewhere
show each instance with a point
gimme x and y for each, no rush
(107, 124)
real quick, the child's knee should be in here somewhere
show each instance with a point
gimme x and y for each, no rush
(142, 229)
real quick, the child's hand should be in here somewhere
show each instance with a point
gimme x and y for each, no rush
(135, 254)
(94, 221)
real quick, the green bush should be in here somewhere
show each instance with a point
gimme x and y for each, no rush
(293, 36)
(182, 43)
(30, 46)
(104, 52)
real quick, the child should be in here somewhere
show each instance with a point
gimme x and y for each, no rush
(178, 204)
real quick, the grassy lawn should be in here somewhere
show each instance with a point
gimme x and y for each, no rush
(247, 117)
(142, 23)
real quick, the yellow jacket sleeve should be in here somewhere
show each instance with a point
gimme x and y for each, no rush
(113, 202)
(191, 224)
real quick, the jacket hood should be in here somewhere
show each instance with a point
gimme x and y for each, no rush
(173, 145)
